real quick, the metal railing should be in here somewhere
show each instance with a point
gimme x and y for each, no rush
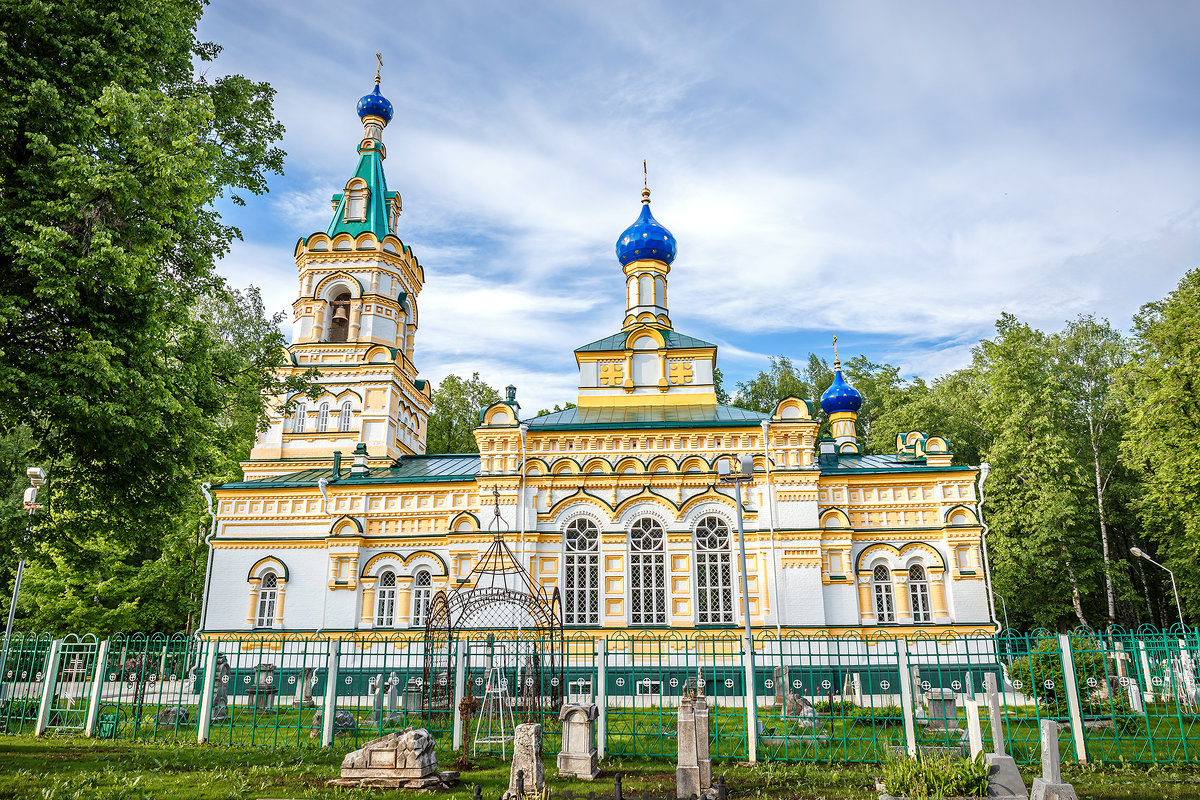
(1118, 695)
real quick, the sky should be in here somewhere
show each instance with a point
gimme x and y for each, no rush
(897, 174)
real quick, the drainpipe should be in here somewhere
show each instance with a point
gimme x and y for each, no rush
(524, 432)
(984, 469)
(766, 426)
(208, 498)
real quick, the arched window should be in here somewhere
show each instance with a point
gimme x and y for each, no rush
(918, 593)
(714, 572)
(646, 291)
(268, 590)
(323, 418)
(660, 291)
(385, 600)
(300, 417)
(422, 592)
(581, 564)
(344, 419)
(885, 609)
(647, 573)
(339, 318)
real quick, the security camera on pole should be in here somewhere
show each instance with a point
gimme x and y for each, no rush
(37, 476)
(745, 475)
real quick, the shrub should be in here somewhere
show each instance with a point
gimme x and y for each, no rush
(935, 776)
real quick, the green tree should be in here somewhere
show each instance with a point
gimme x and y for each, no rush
(1041, 516)
(1163, 436)
(106, 572)
(1091, 354)
(949, 407)
(455, 415)
(781, 379)
(113, 155)
(556, 409)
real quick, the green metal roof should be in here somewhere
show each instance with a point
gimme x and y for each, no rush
(370, 169)
(660, 416)
(881, 463)
(673, 340)
(407, 469)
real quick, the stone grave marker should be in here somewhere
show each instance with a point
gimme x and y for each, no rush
(403, 760)
(527, 759)
(578, 757)
(220, 706)
(1050, 786)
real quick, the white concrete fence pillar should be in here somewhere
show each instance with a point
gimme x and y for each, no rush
(462, 656)
(329, 715)
(907, 708)
(48, 685)
(97, 691)
(207, 687)
(1072, 690)
(600, 691)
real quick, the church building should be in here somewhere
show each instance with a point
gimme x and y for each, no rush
(344, 524)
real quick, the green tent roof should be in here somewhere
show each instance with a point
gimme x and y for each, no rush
(674, 341)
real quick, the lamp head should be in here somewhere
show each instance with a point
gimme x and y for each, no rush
(747, 465)
(36, 475)
(723, 467)
(1138, 552)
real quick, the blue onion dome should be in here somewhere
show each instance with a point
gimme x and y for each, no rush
(840, 396)
(375, 104)
(646, 239)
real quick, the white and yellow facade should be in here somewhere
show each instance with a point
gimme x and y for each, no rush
(347, 525)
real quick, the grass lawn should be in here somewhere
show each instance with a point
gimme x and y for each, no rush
(75, 768)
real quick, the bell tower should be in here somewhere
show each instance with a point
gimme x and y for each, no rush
(355, 321)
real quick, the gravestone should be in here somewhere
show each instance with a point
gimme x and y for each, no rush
(393, 697)
(220, 705)
(1050, 786)
(578, 757)
(687, 768)
(527, 759)
(264, 690)
(403, 760)
(173, 716)
(413, 697)
(304, 697)
(375, 687)
(693, 772)
(798, 706)
(1004, 779)
(782, 686)
(943, 709)
(343, 722)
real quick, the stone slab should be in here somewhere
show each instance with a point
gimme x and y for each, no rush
(1004, 779)
(1052, 791)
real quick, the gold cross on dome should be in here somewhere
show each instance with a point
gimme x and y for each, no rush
(378, 67)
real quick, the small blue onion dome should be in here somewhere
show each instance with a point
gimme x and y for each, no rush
(646, 239)
(840, 396)
(375, 104)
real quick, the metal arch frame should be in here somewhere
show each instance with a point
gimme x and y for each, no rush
(497, 582)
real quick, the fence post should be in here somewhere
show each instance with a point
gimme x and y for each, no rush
(1068, 663)
(460, 685)
(601, 694)
(207, 688)
(1147, 682)
(94, 696)
(43, 717)
(906, 696)
(751, 702)
(331, 679)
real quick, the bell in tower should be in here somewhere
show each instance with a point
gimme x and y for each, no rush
(339, 329)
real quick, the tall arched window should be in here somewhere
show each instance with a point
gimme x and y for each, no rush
(385, 600)
(885, 608)
(323, 418)
(344, 419)
(646, 291)
(714, 572)
(299, 418)
(918, 593)
(647, 573)
(268, 590)
(422, 592)
(581, 565)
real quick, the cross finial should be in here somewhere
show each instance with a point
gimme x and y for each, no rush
(378, 66)
(836, 360)
(645, 183)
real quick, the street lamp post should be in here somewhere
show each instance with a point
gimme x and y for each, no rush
(1140, 553)
(1003, 605)
(37, 476)
(745, 475)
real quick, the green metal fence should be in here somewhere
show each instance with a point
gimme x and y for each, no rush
(1117, 695)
